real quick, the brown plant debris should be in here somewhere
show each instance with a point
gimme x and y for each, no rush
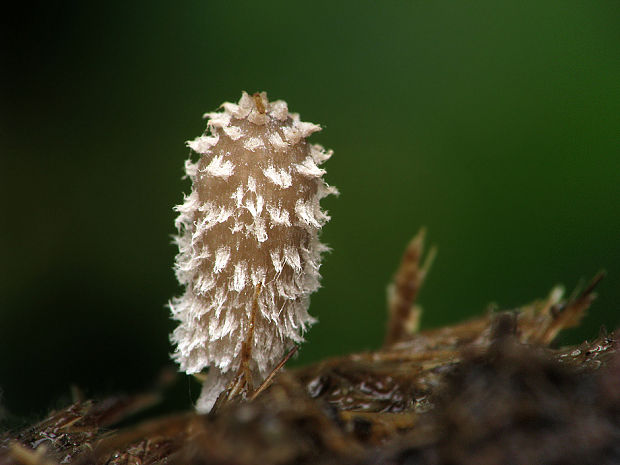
(403, 315)
(485, 391)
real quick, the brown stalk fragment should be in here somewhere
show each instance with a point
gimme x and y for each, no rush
(568, 314)
(404, 317)
(258, 101)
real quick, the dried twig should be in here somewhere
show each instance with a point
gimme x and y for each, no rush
(403, 315)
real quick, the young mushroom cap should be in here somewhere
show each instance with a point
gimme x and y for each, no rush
(248, 241)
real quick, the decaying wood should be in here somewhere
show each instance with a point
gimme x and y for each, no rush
(485, 391)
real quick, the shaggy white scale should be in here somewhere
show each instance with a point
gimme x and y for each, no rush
(249, 252)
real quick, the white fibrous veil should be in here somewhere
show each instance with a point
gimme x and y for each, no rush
(251, 221)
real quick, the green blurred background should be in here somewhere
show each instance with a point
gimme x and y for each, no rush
(493, 124)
